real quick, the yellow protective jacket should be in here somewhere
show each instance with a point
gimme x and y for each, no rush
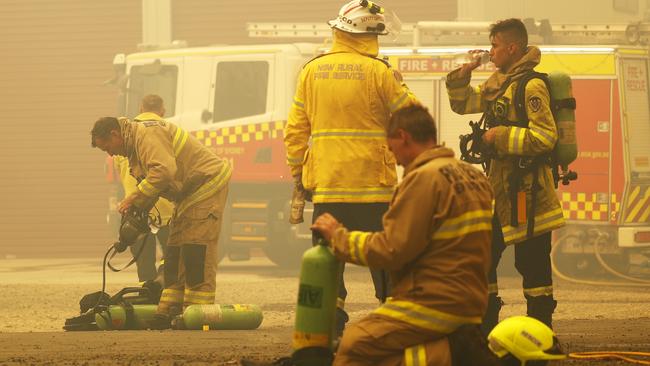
(514, 141)
(343, 102)
(164, 208)
(435, 244)
(168, 162)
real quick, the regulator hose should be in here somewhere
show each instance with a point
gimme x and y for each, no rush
(565, 277)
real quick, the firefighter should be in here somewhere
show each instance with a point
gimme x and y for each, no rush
(335, 135)
(526, 206)
(151, 109)
(435, 244)
(168, 162)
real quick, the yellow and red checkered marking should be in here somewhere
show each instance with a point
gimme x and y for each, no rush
(241, 133)
(588, 206)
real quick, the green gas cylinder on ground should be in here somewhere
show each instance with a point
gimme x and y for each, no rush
(219, 317)
(125, 317)
(316, 308)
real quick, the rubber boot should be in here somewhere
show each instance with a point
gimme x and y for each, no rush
(491, 318)
(341, 319)
(469, 347)
(542, 308)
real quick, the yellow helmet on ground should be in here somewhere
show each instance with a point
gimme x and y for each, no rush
(526, 339)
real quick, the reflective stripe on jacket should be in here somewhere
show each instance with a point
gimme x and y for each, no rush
(435, 243)
(535, 138)
(336, 132)
(171, 163)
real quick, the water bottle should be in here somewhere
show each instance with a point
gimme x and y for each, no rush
(465, 58)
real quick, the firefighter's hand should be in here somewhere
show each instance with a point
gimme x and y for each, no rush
(467, 68)
(326, 224)
(127, 203)
(489, 136)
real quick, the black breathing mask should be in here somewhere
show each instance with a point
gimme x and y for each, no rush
(135, 223)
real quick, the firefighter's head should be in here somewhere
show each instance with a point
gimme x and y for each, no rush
(152, 103)
(106, 135)
(509, 40)
(521, 340)
(411, 131)
(361, 17)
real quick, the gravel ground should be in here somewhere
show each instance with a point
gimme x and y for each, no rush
(39, 294)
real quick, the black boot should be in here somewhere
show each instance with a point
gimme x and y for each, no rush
(468, 347)
(491, 318)
(542, 308)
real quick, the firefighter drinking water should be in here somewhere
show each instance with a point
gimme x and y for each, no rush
(435, 244)
(342, 103)
(168, 162)
(526, 206)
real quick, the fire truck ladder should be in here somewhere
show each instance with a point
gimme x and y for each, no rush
(470, 33)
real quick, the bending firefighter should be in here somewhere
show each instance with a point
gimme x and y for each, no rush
(151, 109)
(526, 206)
(335, 135)
(168, 162)
(436, 247)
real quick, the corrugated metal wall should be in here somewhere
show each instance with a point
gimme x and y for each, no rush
(55, 57)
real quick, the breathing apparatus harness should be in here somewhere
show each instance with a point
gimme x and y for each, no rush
(133, 227)
(475, 151)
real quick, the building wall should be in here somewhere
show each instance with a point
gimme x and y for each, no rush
(557, 11)
(56, 56)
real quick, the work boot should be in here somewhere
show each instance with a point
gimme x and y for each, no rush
(341, 319)
(542, 308)
(160, 322)
(491, 318)
(468, 347)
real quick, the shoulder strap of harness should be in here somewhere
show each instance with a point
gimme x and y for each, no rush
(520, 94)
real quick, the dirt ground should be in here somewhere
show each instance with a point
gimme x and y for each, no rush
(37, 296)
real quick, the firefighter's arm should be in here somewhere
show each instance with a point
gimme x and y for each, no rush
(463, 97)
(406, 230)
(541, 134)
(297, 130)
(155, 151)
(129, 184)
(394, 91)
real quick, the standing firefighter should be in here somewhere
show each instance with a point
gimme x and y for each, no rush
(168, 162)
(151, 109)
(526, 206)
(343, 101)
(436, 247)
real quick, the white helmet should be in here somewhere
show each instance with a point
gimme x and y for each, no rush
(361, 16)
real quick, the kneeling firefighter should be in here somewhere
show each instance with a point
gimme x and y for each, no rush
(168, 162)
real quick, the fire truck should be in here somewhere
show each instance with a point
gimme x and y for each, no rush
(236, 99)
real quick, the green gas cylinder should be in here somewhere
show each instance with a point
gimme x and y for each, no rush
(125, 317)
(219, 317)
(316, 308)
(566, 148)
